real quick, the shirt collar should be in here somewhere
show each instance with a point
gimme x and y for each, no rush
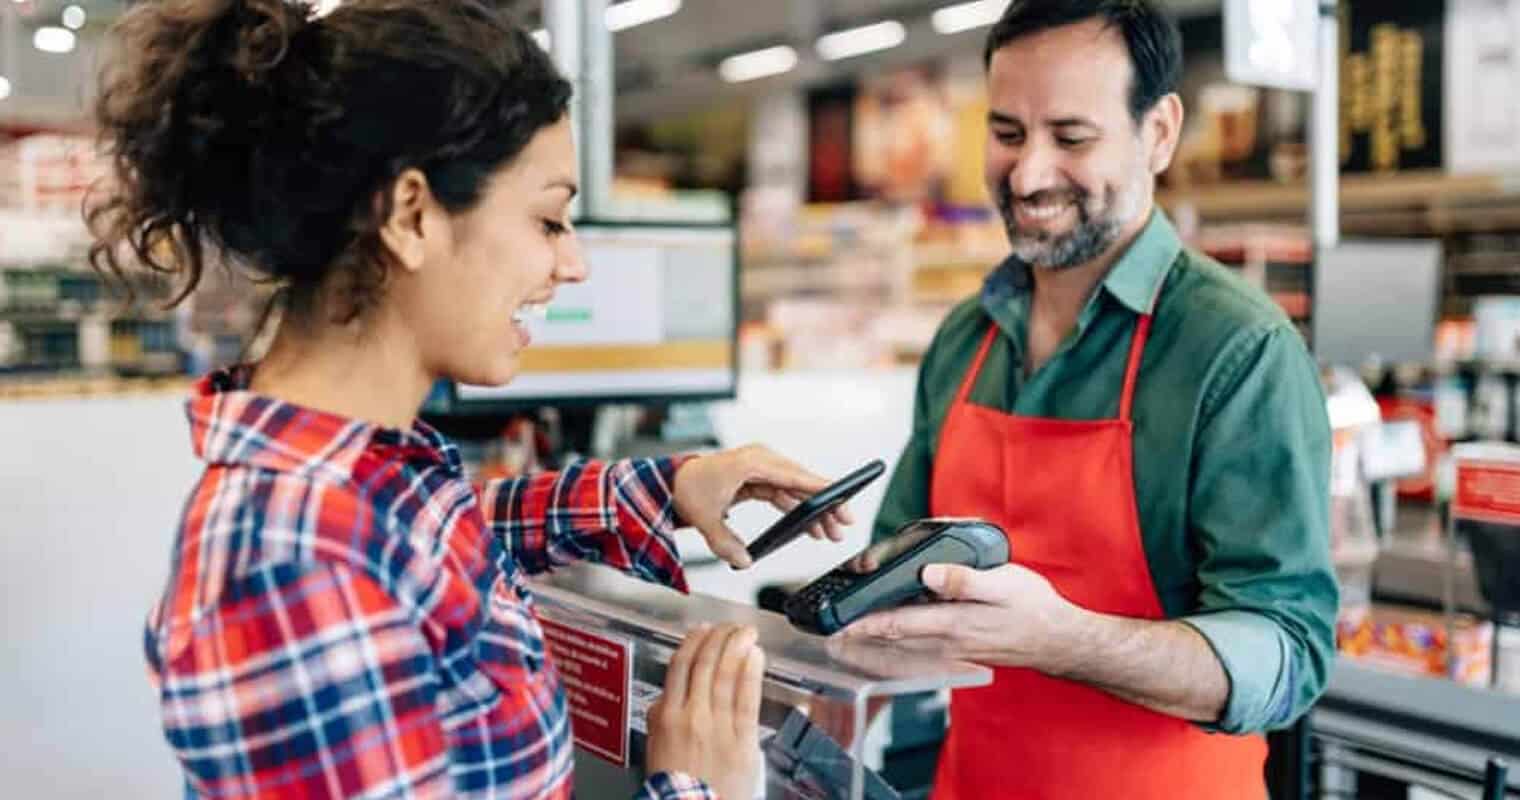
(231, 425)
(1135, 280)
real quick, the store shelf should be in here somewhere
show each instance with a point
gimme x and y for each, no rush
(57, 387)
(1405, 203)
(950, 256)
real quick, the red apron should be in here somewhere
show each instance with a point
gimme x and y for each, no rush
(1064, 492)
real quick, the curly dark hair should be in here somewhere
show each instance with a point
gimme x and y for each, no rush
(255, 130)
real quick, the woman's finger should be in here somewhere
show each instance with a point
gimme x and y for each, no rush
(747, 705)
(704, 665)
(678, 672)
(725, 687)
(767, 466)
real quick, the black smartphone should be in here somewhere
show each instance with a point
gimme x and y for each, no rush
(796, 521)
(890, 576)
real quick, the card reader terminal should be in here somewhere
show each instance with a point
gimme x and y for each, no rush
(886, 574)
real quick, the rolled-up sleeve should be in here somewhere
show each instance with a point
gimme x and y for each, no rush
(1259, 513)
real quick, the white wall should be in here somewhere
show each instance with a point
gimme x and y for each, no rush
(89, 494)
(90, 491)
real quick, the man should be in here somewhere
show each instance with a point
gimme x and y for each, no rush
(1149, 431)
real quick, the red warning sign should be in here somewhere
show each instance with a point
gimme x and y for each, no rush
(596, 670)
(1488, 491)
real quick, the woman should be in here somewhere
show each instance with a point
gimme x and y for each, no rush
(346, 615)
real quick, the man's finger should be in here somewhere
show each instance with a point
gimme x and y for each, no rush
(937, 620)
(956, 582)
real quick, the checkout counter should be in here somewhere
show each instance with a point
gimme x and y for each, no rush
(612, 636)
(1416, 705)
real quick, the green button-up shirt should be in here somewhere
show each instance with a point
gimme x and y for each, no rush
(1232, 452)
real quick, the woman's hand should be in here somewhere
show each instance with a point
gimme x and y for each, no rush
(707, 722)
(707, 486)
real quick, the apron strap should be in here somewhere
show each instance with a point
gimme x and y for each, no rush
(1132, 369)
(976, 365)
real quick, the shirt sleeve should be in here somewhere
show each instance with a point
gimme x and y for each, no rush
(619, 513)
(1259, 513)
(306, 681)
(907, 494)
(675, 786)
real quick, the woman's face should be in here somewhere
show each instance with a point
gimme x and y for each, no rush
(482, 268)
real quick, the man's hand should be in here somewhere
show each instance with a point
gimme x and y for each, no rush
(1012, 617)
(707, 486)
(1009, 616)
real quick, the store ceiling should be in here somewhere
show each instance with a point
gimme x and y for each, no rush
(669, 65)
(664, 67)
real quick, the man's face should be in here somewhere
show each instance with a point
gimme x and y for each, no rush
(1068, 166)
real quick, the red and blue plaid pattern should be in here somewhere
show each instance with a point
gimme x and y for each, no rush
(343, 620)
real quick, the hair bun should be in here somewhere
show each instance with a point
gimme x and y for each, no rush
(263, 32)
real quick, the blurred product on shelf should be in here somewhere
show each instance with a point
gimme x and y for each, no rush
(1277, 259)
(64, 330)
(1417, 642)
(1354, 543)
(1496, 320)
(49, 172)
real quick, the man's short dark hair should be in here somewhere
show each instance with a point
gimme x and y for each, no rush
(1155, 45)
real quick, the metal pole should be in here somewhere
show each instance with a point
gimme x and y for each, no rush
(562, 19)
(1324, 134)
(1495, 780)
(598, 123)
(11, 33)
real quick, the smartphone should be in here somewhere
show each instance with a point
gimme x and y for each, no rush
(890, 577)
(796, 521)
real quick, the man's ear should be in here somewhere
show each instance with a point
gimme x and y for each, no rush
(1163, 128)
(402, 231)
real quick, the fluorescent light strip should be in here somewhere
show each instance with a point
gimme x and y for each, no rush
(859, 41)
(758, 64)
(625, 15)
(966, 16)
(52, 39)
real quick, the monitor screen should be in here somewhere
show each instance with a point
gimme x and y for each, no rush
(656, 319)
(1377, 299)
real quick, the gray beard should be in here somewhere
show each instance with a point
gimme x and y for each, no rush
(1091, 237)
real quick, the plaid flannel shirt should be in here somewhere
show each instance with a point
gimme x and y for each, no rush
(342, 620)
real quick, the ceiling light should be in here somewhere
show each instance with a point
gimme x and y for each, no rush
(52, 39)
(625, 15)
(965, 16)
(542, 37)
(5, 88)
(862, 40)
(73, 17)
(758, 64)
